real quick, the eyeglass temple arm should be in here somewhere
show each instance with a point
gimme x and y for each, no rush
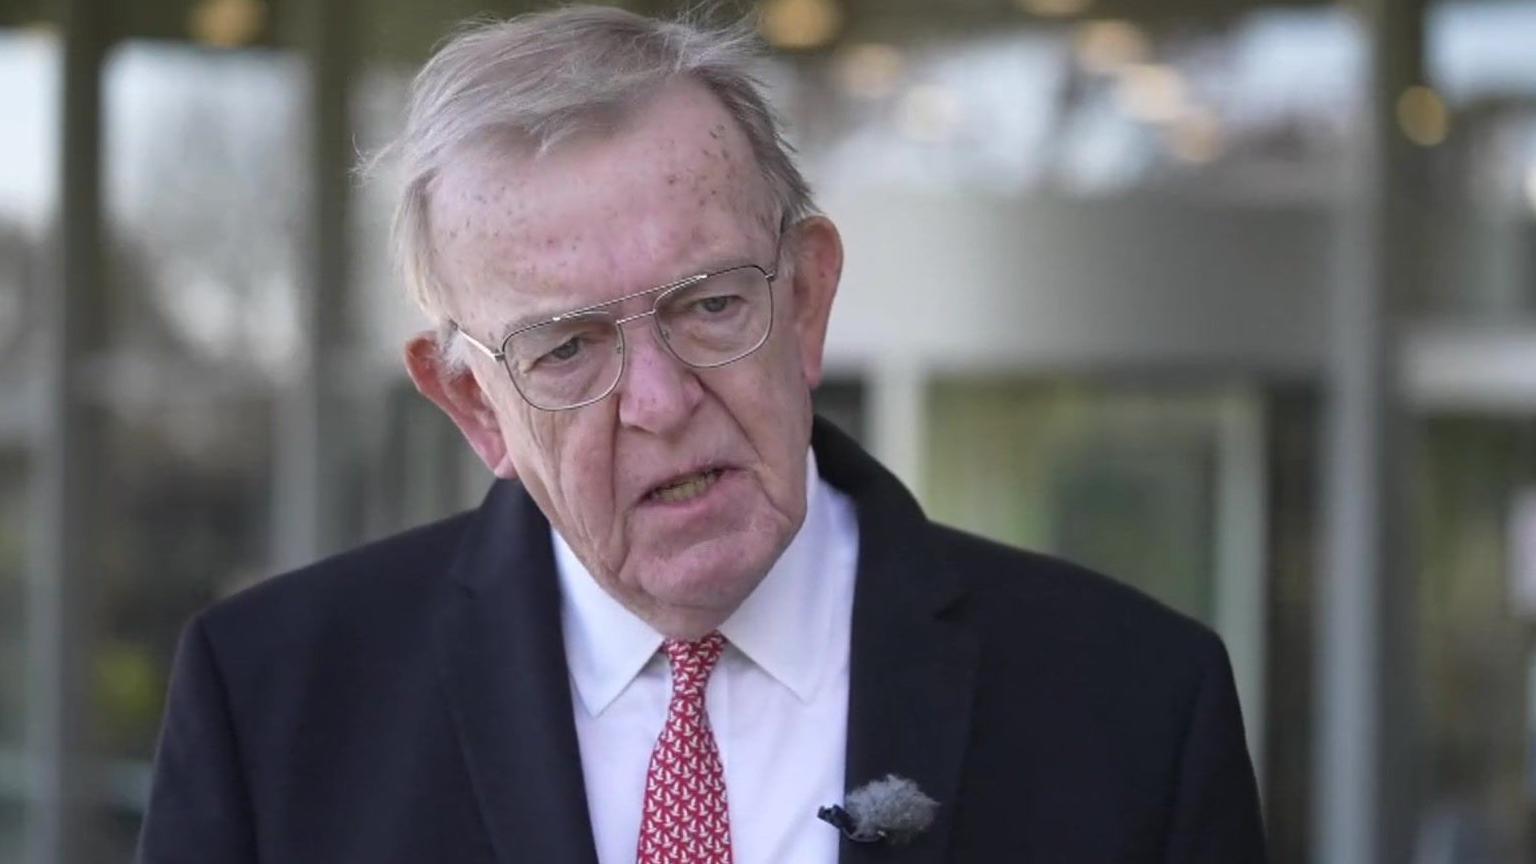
(484, 349)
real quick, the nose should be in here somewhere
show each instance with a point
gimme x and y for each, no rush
(657, 393)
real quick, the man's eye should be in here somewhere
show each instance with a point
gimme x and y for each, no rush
(716, 304)
(565, 350)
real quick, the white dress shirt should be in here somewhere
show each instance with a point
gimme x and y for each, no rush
(777, 700)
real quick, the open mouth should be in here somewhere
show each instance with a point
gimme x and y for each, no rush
(685, 488)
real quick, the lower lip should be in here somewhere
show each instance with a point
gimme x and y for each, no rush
(703, 499)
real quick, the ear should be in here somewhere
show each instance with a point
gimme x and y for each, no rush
(818, 251)
(459, 395)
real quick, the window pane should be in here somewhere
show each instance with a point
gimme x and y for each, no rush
(1482, 197)
(1472, 474)
(204, 190)
(840, 399)
(1255, 106)
(1121, 480)
(28, 170)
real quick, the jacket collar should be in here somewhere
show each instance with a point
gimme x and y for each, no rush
(503, 672)
(913, 662)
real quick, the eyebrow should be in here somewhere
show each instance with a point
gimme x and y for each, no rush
(524, 322)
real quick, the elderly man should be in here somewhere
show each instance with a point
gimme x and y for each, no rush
(689, 615)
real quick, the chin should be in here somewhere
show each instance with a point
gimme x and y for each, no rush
(716, 574)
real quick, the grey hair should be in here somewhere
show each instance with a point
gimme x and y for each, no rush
(541, 78)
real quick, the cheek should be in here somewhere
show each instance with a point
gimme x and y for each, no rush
(532, 443)
(576, 453)
(770, 402)
(789, 358)
(787, 368)
(587, 480)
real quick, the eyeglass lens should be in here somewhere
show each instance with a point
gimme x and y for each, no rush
(708, 323)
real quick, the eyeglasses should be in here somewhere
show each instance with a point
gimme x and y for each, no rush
(577, 358)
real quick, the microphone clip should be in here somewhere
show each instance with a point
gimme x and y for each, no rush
(842, 820)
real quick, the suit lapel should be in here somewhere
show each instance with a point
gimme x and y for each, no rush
(503, 668)
(912, 670)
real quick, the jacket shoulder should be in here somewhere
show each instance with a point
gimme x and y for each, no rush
(1115, 716)
(375, 587)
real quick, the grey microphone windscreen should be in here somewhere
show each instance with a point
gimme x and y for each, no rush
(893, 808)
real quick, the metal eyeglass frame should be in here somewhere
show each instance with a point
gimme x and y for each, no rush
(662, 292)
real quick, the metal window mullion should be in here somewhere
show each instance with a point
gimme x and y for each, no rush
(1241, 551)
(1364, 771)
(68, 447)
(309, 460)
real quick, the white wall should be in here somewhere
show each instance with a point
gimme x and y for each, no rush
(967, 283)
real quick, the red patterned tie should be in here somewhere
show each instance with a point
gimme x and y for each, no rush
(686, 820)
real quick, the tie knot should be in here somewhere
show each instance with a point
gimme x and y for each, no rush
(693, 661)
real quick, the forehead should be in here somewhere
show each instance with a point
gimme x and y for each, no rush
(673, 190)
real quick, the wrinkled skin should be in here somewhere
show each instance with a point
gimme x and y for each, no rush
(671, 192)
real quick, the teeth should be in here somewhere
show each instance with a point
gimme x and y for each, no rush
(686, 489)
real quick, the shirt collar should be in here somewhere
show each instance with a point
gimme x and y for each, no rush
(607, 646)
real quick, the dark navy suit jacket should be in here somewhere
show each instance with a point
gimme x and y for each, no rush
(409, 702)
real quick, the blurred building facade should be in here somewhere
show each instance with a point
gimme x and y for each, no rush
(1235, 301)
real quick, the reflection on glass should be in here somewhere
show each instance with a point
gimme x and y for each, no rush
(14, 778)
(203, 197)
(1471, 475)
(840, 399)
(13, 598)
(204, 190)
(28, 172)
(1260, 105)
(1120, 481)
(13, 828)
